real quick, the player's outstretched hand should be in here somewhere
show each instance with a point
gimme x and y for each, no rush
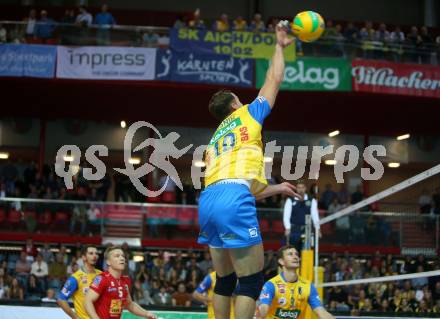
(281, 31)
(151, 316)
(288, 190)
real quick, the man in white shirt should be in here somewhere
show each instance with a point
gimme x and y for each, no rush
(40, 269)
(84, 18)
(294, 216)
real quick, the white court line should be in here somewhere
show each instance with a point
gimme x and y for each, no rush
(380, 279)
(402, 185)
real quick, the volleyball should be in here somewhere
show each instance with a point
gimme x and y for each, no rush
(308, 26)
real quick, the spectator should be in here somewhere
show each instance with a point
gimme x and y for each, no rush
(425, 202)
(335, 206)
(414, 41)
(257, 24)
(179, 23)
(196, 22)
(397, 36)
(418, 283)
(426, 45)
(181, 298)
(357, 196)
(30, 250)
(239, 24)
(351, 32)
(338, 296)
(34, 290)
(50, 296)
(382, 35)
(150, 39)
(357, 224)
(16, 290)
(45, 27)
(222, 24)
(3, 39)
(206, 263)
(22, 269)
(367, 32)
(4, 289)
(327, 196)
(84, 18)
(330, 30)
(67, 30)
(105, 22)
(436, 201)
(40, 270)
(31, 22)
(343, 195)
(47, 253)
(79, 216)
(163, 298)
(57, 272)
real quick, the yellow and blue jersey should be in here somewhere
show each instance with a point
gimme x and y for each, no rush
(207, 286)
(235, 151)
(234, 173)
(288, 300)
(76, 288)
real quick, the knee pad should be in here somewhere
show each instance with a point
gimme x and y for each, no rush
(225, 286)
(251, 285)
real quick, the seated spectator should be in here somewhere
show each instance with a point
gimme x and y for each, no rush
(222, 24)
(418, 283)
(327, 196)
(84, 18)
(162, 298)
(150, 39)
(45, 27)
(272, 25)
(426, 45)
(40, 270)
(181, 298)
(330, 30)
(31, 22)
(50, 296)
(397, 36)
(3, 39)
(22, 269)
(239, 24)
(57, 272)
(357, 196)
(367, 32)
(67, 28)
(105, 22)
(30, 249)
(338, 296)
(196, 22)
(34, 290)
(414, 41)
(343, 195)
(16, 290)
(180, 22)
(257, 24)
(47, 253)
(4, 289)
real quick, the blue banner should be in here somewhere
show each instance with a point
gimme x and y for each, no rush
(27, 60)
(204, 68)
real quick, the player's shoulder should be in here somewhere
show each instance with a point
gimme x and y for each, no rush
(125, 279)
(78, 274)
(304, 281)
(277, 279)
(98, 272)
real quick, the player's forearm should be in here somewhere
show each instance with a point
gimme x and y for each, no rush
(66, 308)
(269, 191)
(199, 297)
(276, 70)
(262, 310)
(323, 314)
(90, 309)
(137, 310)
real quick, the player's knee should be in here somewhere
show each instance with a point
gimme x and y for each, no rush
(225, 285)
(251, 285)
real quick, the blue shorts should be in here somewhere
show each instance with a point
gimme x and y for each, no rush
(228, 217)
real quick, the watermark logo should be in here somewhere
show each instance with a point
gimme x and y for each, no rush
(346, 159)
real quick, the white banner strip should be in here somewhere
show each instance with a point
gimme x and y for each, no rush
(402, 185)
(380, 279)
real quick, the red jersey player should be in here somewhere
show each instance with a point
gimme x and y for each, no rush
(109, 293)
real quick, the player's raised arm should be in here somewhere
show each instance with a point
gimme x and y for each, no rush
(91, 297)
(275, 73)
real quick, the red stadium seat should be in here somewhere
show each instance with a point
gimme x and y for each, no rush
(30, 214)
(2, 215)
(45, 218)
(14, 217)
(169, 197)
(61, 217)
(153, 199)
(264, 225)
(278, 226)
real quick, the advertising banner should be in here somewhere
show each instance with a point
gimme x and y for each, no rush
(204, 68)
(311, 74)
(396, 78)
(23, 60)
(106, 63)
(239, 44)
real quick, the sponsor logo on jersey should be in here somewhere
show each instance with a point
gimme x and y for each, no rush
(287, 314)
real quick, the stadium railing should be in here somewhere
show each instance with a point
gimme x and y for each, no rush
(403, 228)
(150, 36)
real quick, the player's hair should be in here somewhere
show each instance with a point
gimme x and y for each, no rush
(109, 250)
(85, 248)
(280, 253)
(220, 104)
